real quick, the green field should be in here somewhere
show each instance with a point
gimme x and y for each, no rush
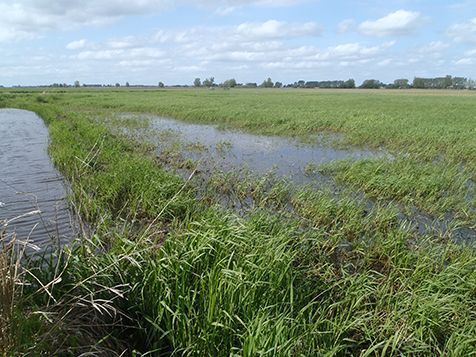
(163, 267)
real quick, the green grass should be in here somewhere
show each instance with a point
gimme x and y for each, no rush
(434, 129)
(399, 120)
(163, 269)
(437, 188)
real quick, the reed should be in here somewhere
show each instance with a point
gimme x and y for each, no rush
(8, 281)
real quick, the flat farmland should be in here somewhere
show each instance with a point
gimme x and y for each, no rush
(258, 222)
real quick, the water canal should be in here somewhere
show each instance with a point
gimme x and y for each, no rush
(33, 204)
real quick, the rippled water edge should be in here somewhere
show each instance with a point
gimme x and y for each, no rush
(33, 195)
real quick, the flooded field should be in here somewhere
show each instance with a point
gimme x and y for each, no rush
(347, 246)
(32, 193)
(212, 148)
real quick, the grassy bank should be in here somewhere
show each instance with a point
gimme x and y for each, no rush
(158, 270)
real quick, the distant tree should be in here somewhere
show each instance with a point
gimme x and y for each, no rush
(371, 84)
(447, 82)
(278, 85)
(127, 84)
(418, 83)
(330, 84)
(251, 85)
(350, 83)
(268, 83)
(209, 82)
(401, 83)
(197, 82)
(161, 85)
(435, 83)
(312, 84)
(459, 83)
(77, 84)
(118, 85)
(229, 83)
(471, 84)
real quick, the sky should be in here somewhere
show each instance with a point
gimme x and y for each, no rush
(147, 41)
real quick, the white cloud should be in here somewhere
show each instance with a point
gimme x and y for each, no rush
(401, 22)
(227, 10)
(434, 47)
(141, 53)
(345, 25)
(227, 7)
(277, 29)
(385, 62)
(30, 18)
(463, 32)
(471, 52)
(350, 50)
(464, 62)
(238, 3)
(99, 55)
(204, 51)
(27, 19)
(76, 45)
(248, 51)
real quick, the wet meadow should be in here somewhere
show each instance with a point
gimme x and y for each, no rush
(251, 222)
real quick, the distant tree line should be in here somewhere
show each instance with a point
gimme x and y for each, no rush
(447, 82)
(232, 83)
(350, 83)
(77, 84)
(372, 84)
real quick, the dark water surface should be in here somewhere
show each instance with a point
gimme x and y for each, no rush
(227, 149)
(32, 193)
(214, 149)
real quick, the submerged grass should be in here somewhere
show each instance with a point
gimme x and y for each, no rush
(159, 272)
(434, 187)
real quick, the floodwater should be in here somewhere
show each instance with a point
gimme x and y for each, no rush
(33, 204)
(227, 150)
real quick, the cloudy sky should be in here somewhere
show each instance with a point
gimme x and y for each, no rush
(147, 41)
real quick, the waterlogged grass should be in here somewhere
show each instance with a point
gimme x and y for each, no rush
(436, 129)
(425, 122)
(434, 187)
(162, 268)
(116, 178)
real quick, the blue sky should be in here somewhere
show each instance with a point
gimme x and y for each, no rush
(147, 41)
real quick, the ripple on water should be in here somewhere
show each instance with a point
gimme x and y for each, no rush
(32, 193)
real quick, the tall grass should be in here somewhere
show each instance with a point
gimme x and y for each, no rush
(221, 285)
(8, 269)
(159, 272)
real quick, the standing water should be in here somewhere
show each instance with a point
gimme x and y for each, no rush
(33, 204)
(228, 149)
